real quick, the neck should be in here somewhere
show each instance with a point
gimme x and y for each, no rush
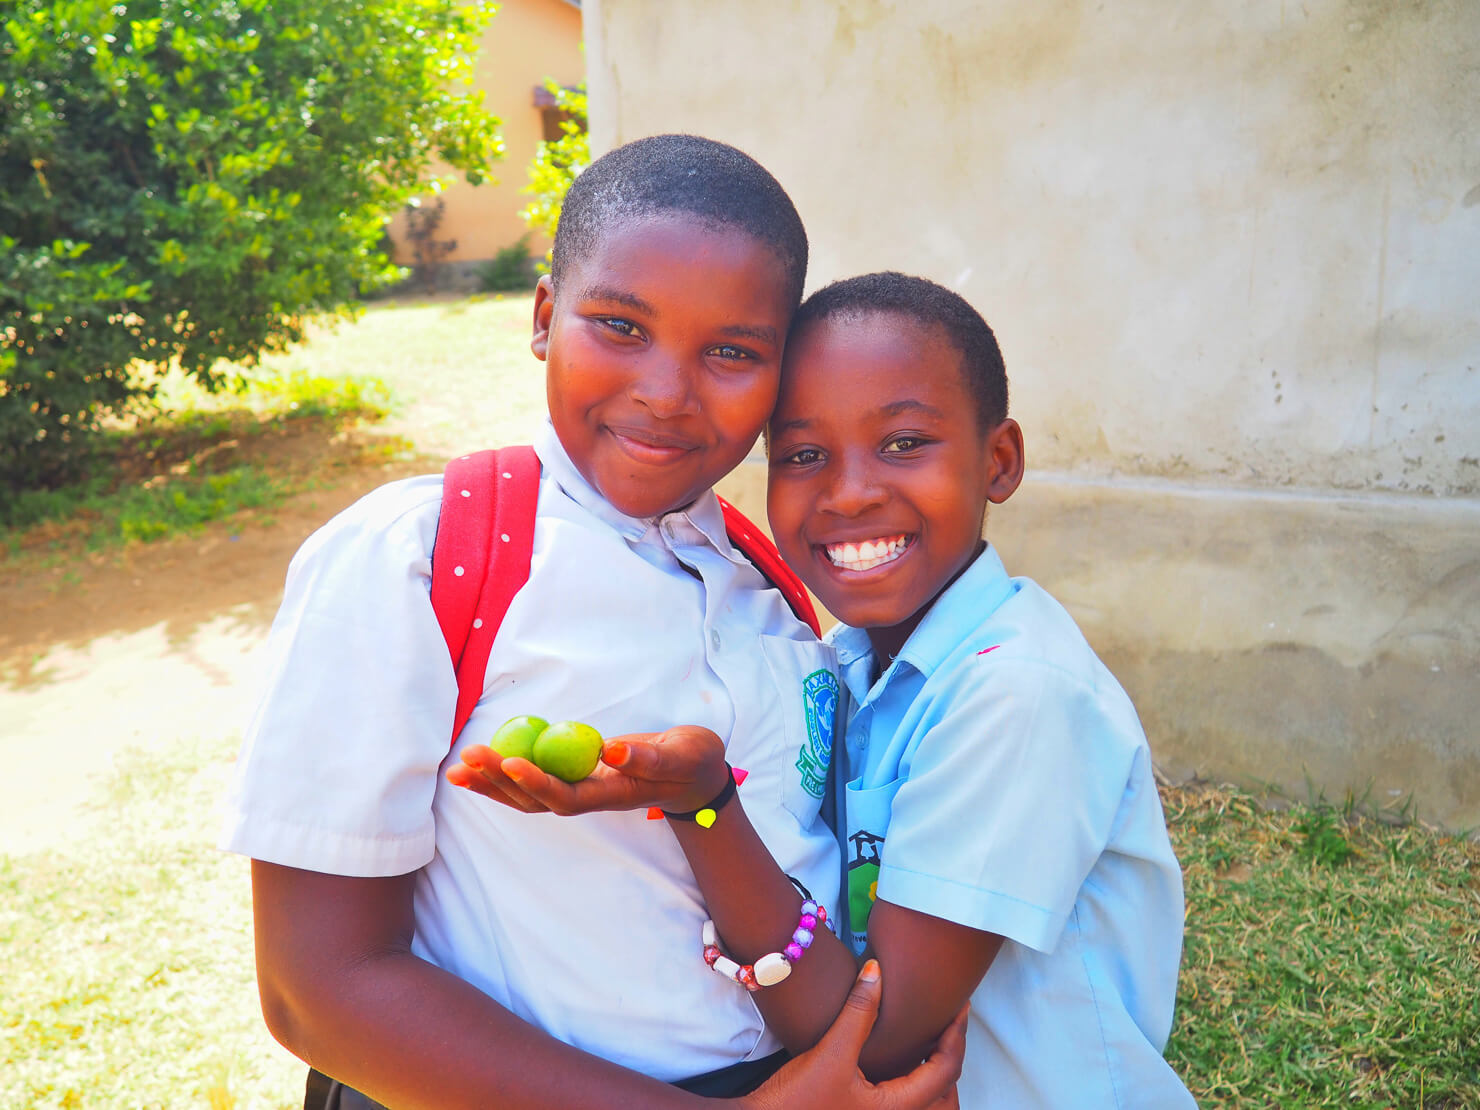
(889, 641)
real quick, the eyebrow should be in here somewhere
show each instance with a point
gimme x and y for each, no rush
(894, 408)
(746, 331)
(616, 295)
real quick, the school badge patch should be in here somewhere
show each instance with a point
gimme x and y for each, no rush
(820, 700)
(863, 881)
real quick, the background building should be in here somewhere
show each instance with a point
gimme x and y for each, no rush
(1232, 254)
(527, 43)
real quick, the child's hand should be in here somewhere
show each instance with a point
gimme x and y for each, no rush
(828, 1074)
(678, 770)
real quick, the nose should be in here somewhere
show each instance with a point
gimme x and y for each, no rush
(664, 385)
(852, 486)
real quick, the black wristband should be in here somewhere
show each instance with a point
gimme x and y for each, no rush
(714, 805)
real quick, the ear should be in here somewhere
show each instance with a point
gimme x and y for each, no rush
(1005, 454)
(544, 312)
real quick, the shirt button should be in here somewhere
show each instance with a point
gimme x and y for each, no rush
(714, 638)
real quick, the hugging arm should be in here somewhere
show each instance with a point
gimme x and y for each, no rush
(933, 965)
(342, 990)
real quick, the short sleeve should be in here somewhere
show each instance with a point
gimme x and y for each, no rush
(1006, 802)
(340, 761)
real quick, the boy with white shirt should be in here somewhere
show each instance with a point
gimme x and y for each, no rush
(430, 949)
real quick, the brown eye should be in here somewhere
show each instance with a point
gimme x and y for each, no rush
(902, 444)
(618, 325)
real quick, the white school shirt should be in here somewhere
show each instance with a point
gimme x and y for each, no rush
(997, 776)
(588, 927)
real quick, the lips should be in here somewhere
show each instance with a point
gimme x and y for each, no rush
(647, 445)
(864, 555)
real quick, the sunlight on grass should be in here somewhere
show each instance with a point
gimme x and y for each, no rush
(1306, 983)
(440, 378)
(127, 961)
(199, 458)
(461, 370)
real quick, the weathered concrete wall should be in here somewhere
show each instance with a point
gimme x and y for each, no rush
(1233, 257)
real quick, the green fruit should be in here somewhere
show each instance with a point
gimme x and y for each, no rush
(516, 737)
(568, 750)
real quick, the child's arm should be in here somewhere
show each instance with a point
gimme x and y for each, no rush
(933, 964)
(341, 989)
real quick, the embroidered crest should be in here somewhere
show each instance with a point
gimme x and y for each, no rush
(820, 700)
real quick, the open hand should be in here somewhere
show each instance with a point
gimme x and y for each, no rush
(679, 769)
(828, 1074)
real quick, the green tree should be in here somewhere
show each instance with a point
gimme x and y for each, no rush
(186, 181)
(556, 164)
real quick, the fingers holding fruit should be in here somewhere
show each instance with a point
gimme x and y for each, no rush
(521, 751)
(484, 772)
(566, 768)
(534, 766)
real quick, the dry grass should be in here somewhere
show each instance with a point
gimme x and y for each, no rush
(1330, 958)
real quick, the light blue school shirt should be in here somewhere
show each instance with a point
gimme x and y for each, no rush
(996, 775)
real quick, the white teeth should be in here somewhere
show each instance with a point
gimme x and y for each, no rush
(866, 555)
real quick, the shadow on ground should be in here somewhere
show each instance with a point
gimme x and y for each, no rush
(69, 598)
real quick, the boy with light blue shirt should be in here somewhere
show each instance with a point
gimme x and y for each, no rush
(1003, 840)
(1053, 839)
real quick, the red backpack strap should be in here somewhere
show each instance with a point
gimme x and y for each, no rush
(485, 537)
(759, 549)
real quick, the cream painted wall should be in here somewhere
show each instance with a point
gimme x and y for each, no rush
(1232, 253)
(527, 42)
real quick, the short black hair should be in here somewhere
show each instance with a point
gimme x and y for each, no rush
(927, 303)
(680, 174)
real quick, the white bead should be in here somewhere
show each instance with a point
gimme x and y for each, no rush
(711, 936)
(727, 967)
(771, 968)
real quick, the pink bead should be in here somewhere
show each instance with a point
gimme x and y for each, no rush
(711, 953)
(802, 937)
(793, 951)
(746, 977)
(808, 921)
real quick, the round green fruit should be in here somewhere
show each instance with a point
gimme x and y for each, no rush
(568, 750)
(516, 737)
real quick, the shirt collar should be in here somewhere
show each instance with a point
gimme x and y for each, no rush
(958, 612)
(700, 522)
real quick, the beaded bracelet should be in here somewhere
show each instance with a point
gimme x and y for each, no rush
(773, 967)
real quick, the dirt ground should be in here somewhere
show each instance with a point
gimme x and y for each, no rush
(152, 643)
(138, 648)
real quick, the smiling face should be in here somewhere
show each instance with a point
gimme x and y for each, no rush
(880, 473)
(662, 350)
